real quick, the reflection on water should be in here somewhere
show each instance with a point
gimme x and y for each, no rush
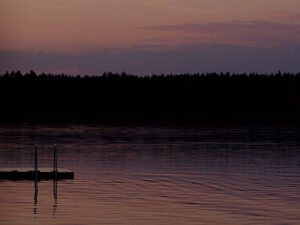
(36, 191)
(154, 175)
(55, 197)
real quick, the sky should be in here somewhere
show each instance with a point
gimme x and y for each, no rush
(149, 36)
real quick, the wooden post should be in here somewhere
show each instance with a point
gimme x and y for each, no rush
(36, 158)
(55, 162)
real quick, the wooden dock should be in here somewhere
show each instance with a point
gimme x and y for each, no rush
(30, 174)
(36, 173)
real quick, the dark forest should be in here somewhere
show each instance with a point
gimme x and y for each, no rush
(125, 97)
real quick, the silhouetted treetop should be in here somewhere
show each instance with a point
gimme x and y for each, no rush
(110, 93)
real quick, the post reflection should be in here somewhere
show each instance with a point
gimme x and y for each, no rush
(35, 202)
(36, 190)
(55, 198)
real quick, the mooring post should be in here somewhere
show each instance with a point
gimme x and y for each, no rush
(36, 158)
(55, 162)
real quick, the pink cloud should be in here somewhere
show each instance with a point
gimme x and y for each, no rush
(251, 33)
(291, 17)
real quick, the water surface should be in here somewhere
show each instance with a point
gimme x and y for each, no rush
(154, 174)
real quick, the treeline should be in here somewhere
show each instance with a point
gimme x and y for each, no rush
(123, 95)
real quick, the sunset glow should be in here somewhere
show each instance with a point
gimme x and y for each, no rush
(76, 26)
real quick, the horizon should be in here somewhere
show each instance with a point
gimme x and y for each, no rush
(124, 73)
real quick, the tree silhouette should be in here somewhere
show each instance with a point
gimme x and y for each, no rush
(171, 97)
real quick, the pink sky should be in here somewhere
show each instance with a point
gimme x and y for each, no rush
(72, 25)
(76, 26)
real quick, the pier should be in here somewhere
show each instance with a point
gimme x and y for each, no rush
(30, 174)
(37, 173)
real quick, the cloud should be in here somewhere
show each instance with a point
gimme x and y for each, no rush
(251, 33)
(179, 59)
(289, 16)
(187, 6)
(148, 47)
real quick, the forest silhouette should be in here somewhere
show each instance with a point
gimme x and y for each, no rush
(118, 97)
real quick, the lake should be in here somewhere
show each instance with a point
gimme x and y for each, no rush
(142, 174)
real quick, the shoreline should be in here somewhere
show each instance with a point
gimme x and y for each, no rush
(161, 118)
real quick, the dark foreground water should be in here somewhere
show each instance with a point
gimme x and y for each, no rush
(154, 175)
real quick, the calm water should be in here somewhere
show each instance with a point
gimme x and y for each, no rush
(154, 175)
